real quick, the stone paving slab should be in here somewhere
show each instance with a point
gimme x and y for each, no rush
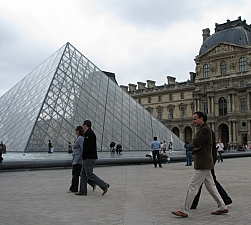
(139, 195)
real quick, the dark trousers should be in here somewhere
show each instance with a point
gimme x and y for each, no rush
(156, 153)
(227, 200)
(220, 157)
(76, 169)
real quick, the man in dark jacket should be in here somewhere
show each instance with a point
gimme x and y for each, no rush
(90, 156)
(203, 163)
(227, 200)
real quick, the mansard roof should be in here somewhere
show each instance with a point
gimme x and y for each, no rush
(234, 32)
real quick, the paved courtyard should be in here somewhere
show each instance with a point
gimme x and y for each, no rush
(139, 195)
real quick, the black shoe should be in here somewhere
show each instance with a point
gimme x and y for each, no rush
(80, 193)
(94, 187)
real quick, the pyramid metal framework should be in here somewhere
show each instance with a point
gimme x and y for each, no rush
(60, 94)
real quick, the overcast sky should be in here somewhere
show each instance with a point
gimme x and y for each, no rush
(138, 40)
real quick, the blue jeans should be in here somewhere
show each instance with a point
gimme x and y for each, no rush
(87, 176)
(189, 158)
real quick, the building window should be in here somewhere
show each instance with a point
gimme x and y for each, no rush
(205, 70)
(159, 113)
(242, 64)
(182, 112)
(170, 113)
(139, 100)
(149, 99)
(206, 107)
(242, 84)
(160, 98)
(222, 106)
(205, 89)
(223, 68)
(171, 97)
(182, 95)
(243, 105)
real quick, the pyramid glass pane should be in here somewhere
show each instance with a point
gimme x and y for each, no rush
(60, 94)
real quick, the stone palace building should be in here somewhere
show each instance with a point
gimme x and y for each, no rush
(220, 87)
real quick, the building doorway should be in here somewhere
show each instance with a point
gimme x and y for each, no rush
(188, 133)
(223, 133)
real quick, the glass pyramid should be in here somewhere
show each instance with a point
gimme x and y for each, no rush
(60, 94)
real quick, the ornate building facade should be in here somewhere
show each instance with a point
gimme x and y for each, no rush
(220, 87)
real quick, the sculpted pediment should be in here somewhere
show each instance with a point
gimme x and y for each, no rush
(222, 48)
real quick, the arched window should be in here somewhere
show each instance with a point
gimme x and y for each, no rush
(222, 106)
(242, 64)
(223, 68)
(205, 70)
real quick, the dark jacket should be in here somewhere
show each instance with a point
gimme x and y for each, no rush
(202, 148)
(90, 145)
(187, 147)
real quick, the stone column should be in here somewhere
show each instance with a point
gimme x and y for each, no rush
(212, 105)
(209, 104)
(198, 104)
(230, 131)
(234, 132)
(229, 109)
(233, 100)
(248, 101)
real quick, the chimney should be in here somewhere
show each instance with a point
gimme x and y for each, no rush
(150, 83)
(192, 76)
(205, 33)
(132, 87)
(123, 87)
(141, 85)
(170, 80)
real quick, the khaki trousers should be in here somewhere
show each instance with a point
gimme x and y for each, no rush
(199, 177)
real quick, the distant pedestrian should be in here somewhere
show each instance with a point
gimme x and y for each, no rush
(220, 149)
(161, 146)
(50, 147)
(188, 153)
(118, 148)
(69, 147)
(2, 147)
(155, 146)
(164, 146)
(1, 158)
(170, 146)
(112, 147)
